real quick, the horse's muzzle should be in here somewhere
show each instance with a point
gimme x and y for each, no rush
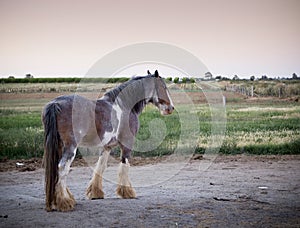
(166, 109)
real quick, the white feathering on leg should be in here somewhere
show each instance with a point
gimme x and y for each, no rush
(124, 188)
(102, 163)
(94, 190)
(123, 174)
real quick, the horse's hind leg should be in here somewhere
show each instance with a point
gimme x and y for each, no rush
(64, 200)
(94, 190)
(124, 189)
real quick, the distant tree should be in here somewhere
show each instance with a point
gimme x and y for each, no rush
(28, 76)
(208, 76)
(176, 80)
(294, 76)
(252, 78)
(225, 78)
(235, 77)
(184, 80)
(169, 79)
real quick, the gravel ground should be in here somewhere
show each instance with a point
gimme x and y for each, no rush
(236, 191)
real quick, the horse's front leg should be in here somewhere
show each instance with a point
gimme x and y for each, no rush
(124, 189)
(95, 190)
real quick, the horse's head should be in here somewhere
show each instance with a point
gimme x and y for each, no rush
(160, 96)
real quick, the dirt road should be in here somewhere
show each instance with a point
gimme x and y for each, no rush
(233, 192)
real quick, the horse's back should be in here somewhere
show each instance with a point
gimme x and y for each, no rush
(80, 120)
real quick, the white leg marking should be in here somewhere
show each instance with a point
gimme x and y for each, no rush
(124, 188)
(64, 170)
(123, 174)
(102, 163)
(94, 190)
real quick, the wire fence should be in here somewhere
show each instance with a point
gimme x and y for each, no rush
(279, 90)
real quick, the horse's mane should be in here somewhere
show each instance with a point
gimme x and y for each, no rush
(131, 90)
(113, 93)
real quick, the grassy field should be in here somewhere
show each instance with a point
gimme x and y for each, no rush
(261, 126)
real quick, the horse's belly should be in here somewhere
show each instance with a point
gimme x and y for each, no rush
(109, 139)
(90, 141)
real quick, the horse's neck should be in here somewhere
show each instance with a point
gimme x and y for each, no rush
(138, 108)
(132, 98)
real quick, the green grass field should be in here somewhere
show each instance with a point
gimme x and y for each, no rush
(260, 127)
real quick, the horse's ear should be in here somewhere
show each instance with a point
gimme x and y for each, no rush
(156, 74)
(148, 72)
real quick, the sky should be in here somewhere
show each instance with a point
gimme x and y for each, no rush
(66, 37)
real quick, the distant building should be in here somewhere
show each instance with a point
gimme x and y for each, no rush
(235, 77)
(28, 76)
(208, 76)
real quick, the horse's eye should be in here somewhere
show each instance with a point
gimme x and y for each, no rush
(161, 101)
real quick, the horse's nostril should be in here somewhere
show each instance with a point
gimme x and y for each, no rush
(170, 109)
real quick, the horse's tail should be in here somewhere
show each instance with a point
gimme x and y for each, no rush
(52, 154)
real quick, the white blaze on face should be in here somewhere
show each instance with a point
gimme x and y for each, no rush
(171, 102)
(166, 109)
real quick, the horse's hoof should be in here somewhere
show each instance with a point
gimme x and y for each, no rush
(94, 193)
(65, 204)
(126, 192)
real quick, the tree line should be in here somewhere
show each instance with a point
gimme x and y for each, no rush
(208, 76)
(62, 80)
